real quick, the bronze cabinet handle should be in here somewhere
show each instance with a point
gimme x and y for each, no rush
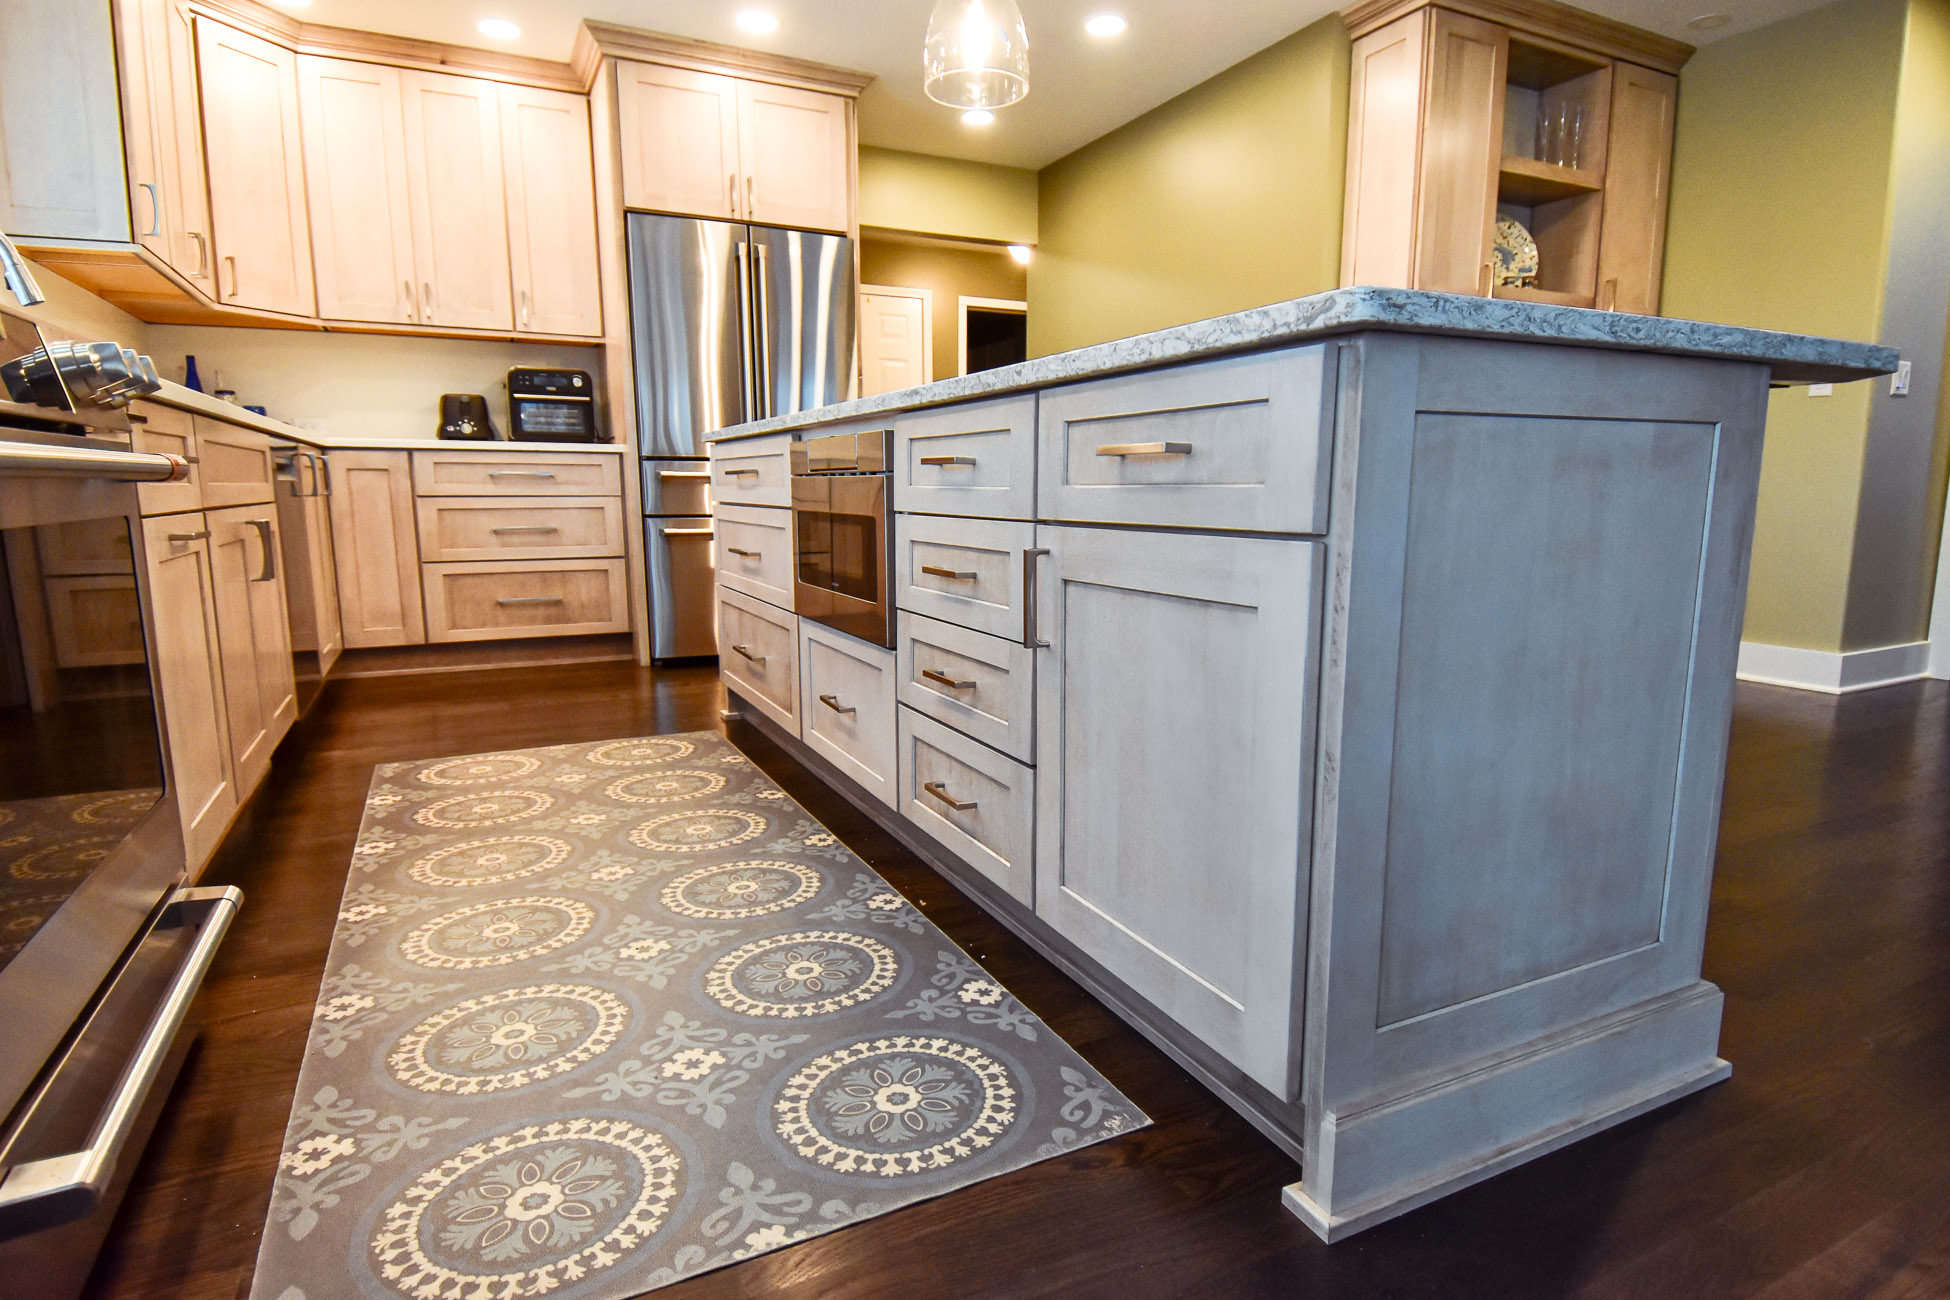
(947, 460)
(946, 680)
(833, 702)
(520, 473)
(757, 659)
(1145, 449)
(940, 792)
(527, 528)
(734, 473)
(186, 538)
(529, 600)
(958, 575)
(749, 555)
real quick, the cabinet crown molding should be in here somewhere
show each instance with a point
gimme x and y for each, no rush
(598, 40)
(1544, 18)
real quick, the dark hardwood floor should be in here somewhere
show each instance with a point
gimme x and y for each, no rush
(1821, 1169)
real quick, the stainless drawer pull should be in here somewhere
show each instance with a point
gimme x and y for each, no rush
(687, 532)
(188, 537)
(520, 473)
(958, 575)
(735, 473)
(833, 702)
(733, 550)
(946, 680)
(530, 600)
(940, 792)
(947, 460)
(1145, 449)
(1032, 633)
(746, 651)
(683, 473)
(526, 528)
(266, 540)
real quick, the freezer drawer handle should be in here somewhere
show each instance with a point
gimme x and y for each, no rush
(833, 702)
(959, 575)
(945, 680)
(519, 473)
(530, 600)
(948, 460)
(940, 792)
(686, 473)
(746, 651)
(687, 532)
(1145, 449)
(733, 550)
(59, 1189)
(527, 528)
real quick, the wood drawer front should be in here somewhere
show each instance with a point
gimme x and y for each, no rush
(975, 459)
(484, 528)
(758, 655)
(516, 474)
(95, 621)
(1242, 444)
(848, 689)
(965, 571)
(994, 836)
(166, 429)
(980, 685)
(754, 551)
(487, 602)
(753, 471)
(234, 464)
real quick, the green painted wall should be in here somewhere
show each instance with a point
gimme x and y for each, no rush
(1227, 197)
(947, 196)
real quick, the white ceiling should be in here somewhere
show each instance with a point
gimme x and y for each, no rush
(1081, 87)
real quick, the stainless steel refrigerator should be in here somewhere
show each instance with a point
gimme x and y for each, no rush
(728, 323)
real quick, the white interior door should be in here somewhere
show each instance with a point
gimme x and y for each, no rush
(896, 341)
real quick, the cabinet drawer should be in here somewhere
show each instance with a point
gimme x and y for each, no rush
(980, 685)
(752, 471)
(754, 551)
(965, 571)
(1241, 445)
(95, 621)
(485, 602)
(484, 528)
(971, 800)
(758, 655)
(516, 474)
(166, 429)
(234, 464)
(976, 459)
(848, 687)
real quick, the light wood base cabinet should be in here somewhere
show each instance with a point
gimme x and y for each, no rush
(492, 601)
(189, 679)
(254, 636)
(374, 542)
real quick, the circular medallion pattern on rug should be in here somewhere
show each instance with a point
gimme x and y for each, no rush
(664, 787)
(489, 808)
(65, 859)
(492, 861)
(636, 753)
(498, 933)
(508, 1039)
(807, 973)
(479, 769)
(736, 891)
(115, 809)
(898, 1105)
(688, 832)
(528, 1210)
(20, 917)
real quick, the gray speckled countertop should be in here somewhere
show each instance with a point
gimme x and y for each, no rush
(1795, 358)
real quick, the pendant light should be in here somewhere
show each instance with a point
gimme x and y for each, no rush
(977, 54)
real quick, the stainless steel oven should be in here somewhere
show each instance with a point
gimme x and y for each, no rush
(842, 536)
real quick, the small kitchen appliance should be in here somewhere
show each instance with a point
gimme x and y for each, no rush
(550, 405)
(464, 416)
(842, 546)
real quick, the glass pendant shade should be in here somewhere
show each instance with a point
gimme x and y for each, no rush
(977, 54)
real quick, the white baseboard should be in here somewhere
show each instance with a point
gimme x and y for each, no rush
(1830, 672)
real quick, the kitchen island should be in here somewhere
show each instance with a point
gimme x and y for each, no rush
(1338, 689)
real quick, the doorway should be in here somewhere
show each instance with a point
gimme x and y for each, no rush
(991, 332)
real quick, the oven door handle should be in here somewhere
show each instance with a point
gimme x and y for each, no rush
(59, 1189)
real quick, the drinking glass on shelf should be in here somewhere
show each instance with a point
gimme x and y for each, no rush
(1560, 135)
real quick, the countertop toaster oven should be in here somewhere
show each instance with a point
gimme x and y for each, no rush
(546, 404)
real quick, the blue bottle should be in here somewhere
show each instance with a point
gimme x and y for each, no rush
(191, 380)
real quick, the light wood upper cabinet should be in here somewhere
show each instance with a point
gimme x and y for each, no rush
(355, 172)
(551, 220)
(1640, 161)
(454, 188)
(679, 132)
(793, 150)
(371, 506)
(262, 237)
(1462, 142)
(61, 165)
(155, 40)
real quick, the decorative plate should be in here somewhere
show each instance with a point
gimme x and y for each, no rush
(1515, 254)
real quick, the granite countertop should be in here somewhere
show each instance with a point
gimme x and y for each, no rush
(1795, 358)
(188, 399)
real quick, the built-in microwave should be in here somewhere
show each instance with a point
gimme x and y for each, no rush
(843, 546)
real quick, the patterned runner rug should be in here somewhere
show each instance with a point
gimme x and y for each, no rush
(600, 1017)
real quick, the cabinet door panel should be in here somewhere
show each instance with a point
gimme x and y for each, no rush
(373, 543)
(189, 679)
(355, 170)
(1462, 147)
(235, 466)
(1180, 866)
(848, 717)
(458, 201)
(1638, 176)
(551, 211)
(253, 637)
(62, 172)
(679, 133)
(759, 655)
(792, 146)
(256, 170)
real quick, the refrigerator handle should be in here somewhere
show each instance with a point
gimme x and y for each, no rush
(760, 289)
(747, 362)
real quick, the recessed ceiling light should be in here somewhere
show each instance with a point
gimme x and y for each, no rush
(1707, 22)
(1021, 253)
(499, 29)
(1105, 25)
(758, 21)
(977, 117)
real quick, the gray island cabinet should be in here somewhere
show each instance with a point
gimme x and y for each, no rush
(1339, 690)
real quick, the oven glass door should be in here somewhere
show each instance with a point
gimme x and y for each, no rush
(841, 548)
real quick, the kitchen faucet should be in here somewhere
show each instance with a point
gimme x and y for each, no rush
(19, 278)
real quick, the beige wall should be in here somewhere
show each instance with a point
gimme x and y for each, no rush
(1227, 197)
(951, 271)
(947, 196)
(72, 312)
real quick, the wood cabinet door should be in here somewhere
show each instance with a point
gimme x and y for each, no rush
(459, 207)
(253, 637)
(1638, 181)
(792, 150)
(373, 543)
(355, 174)
(1462, 150)
(251, 137)
(679, 132)
(1179, 865)
(62, 170)
(551, 211)
(167, 203)
(1384, 124)
(311, 576)
(189, 679)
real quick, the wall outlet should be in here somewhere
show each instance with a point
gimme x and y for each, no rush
(1821, 390)
(1899, 382)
